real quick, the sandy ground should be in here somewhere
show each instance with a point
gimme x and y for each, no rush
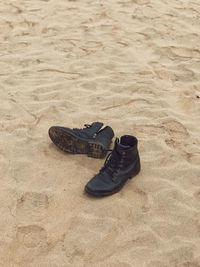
(135, 65)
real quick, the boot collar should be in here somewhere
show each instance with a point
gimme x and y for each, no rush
(125, 144)
(119, 147)
(94, 128)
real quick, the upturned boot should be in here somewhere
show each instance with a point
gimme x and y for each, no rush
(122, 163)
(93, 140)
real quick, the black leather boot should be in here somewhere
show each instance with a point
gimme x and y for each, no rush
(122, 164)
(93, 140)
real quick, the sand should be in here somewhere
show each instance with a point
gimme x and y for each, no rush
(134, 65)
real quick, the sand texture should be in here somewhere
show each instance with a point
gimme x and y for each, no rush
(134, 65)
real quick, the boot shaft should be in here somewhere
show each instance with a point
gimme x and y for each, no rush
(90, 130)
(124, 156)
(127, 147)
(105, 136)
(93, 129)
(97, 132)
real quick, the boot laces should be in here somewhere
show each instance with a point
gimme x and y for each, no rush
(113, 163)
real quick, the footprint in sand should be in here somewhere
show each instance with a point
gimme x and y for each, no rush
(177, 133)
(32, 206)
(32, 236)
(186, 101)
(29, 243)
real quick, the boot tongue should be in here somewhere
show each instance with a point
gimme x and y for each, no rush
(95, 128)
(119, 147)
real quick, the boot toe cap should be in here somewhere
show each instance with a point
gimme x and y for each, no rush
(98, 186)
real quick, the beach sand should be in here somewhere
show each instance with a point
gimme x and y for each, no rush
(134, 65)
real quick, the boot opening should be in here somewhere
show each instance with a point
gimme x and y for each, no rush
(128, 141)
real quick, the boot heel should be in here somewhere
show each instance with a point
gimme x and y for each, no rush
(95, 151)
(136, 171)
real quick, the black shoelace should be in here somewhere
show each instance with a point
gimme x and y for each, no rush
(113, 163)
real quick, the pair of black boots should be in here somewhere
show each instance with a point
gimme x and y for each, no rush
(122, 163)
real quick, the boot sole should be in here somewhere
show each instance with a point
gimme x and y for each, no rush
(70, 143)
(116, 190)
